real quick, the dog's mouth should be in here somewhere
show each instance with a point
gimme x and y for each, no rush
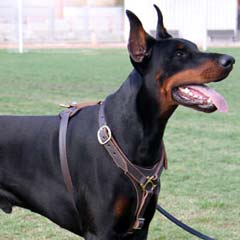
(199, 97)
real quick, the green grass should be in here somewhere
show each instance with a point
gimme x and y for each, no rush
(202, 185)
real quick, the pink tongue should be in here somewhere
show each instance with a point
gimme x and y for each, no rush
(216, 98)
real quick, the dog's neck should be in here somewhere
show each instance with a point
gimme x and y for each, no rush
(134, 115)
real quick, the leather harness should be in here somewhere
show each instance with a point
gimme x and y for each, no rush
(145, 180)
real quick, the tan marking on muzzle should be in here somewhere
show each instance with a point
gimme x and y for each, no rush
(205, 73)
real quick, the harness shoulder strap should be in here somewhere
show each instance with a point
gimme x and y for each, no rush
(65, 115)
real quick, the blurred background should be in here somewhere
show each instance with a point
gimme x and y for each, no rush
(28, 24)
(75, 50)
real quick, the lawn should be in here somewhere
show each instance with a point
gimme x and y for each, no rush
(202, 184)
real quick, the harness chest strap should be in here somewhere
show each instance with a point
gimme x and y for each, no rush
(145, 181)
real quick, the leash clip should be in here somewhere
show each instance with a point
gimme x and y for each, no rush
(104, 134)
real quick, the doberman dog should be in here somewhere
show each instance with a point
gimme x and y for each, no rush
(168, 72)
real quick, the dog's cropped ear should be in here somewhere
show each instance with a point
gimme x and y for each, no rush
(161, 32)
(139, 43)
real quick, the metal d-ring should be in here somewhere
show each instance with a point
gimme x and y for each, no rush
(106, 136)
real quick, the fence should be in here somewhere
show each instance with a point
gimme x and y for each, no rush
(201, 21)
(45, 24)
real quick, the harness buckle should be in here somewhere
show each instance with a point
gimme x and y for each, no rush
(149, 185)
(64, 105)
(139, 224)
(104, 134)
(72, 104)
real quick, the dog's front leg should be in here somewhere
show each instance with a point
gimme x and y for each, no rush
(138, 235)
(109, 236)
(90, 236)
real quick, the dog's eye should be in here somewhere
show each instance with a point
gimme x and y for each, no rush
(180, 53)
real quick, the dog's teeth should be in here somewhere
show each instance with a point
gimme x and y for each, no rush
(182, 89)
(186, 90)
(209, 100)
(190, 93)
(200, 97)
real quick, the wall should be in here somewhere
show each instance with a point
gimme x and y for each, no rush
(191, 18)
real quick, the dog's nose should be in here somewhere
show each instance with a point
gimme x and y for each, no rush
(226, 61)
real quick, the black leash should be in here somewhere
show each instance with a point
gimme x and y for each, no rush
(182, 225)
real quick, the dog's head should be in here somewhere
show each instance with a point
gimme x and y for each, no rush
(175, 70)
